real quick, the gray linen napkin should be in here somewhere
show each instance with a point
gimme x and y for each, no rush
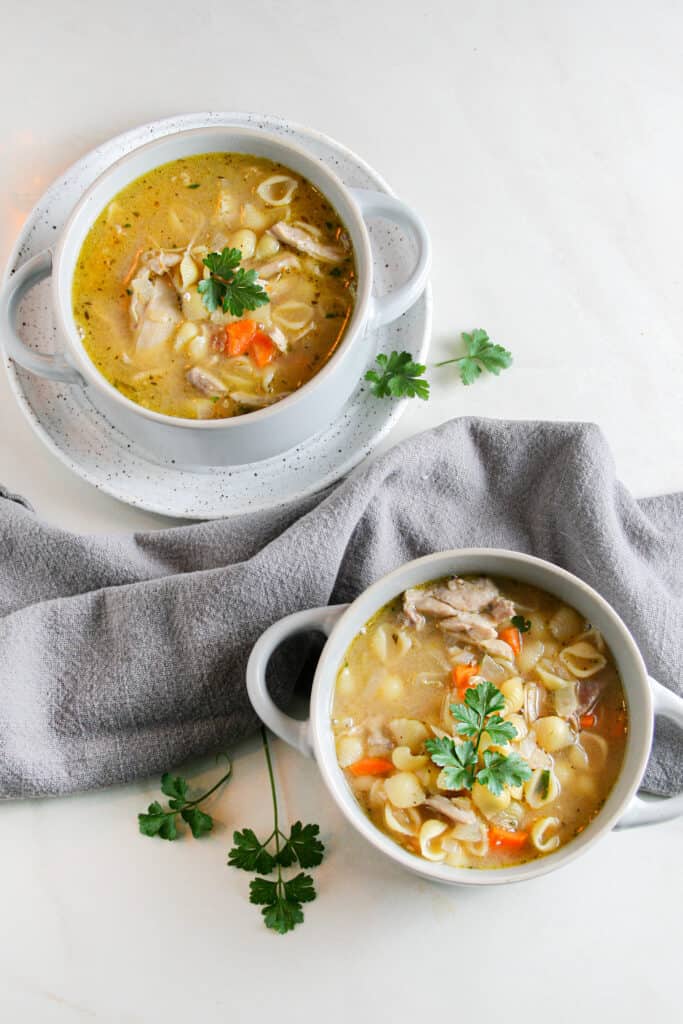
(121, 656)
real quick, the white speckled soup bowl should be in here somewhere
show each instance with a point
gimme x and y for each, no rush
(341, 623)
(255, 435)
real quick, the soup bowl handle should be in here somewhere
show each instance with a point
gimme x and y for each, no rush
(655, 809)
(52, 366)
(385, 308)
(291, 730)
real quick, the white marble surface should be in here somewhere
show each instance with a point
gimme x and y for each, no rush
(542, 143)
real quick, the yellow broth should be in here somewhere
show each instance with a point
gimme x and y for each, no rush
(137, 306)
(394, 692)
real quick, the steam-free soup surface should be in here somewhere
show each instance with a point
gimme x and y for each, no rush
(558, 692)
(140, 309)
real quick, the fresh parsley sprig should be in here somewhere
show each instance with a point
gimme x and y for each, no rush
(161, 822)
(459, 759)
(280, 900)
(230, 286)
(481, 355)
(399, 377)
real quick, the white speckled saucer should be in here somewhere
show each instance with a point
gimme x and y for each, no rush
(85, 441)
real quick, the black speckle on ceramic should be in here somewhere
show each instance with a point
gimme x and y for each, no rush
(88, 444)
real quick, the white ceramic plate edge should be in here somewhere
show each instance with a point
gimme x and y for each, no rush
(341, 470)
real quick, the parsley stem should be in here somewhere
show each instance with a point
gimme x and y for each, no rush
(198, 800)
(276, 830)
(447, 362)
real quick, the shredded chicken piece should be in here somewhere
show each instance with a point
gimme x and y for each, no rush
(499, 649)
(470, 609)
(501, 609)
(205, 382)
(287, 262)
(256, 401)
(469, 595)
(444, 806)
(277, 338)
(306, 243)
(376, 736)
(159, 261)
(154, 311)
(470, 626)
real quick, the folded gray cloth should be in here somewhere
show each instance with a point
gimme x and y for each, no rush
(121, 656)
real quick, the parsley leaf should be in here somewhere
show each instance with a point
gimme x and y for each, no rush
(500, 731)
(244, 293)
(199, 822)
(281, 901)
(468, 720)
(212, 292)
(176, 787)
(302, 846)
(234, 290)
(163, 823)
(485, 698)
(503, 770)
(457, 761)
(400, 377)
(481, 355)
(222, 264)
(250, 854)
(520, 623)
(158, 822)
(279, 898)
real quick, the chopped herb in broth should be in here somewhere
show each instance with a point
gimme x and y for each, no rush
(480, 723)
(205, 288)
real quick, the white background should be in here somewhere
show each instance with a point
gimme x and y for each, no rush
(542, 144)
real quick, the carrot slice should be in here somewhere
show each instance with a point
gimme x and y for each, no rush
(262, 348)
(371, 766)
(587, 721)
(500, 837)
(462, 675)
(133, 267)
(239, 336)
(511, 636)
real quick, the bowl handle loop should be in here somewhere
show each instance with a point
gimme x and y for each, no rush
(289, 729)
(385, 308)
(55, 367)
(653, 809)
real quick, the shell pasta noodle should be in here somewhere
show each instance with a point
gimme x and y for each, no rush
(479, 722)
(214, 286)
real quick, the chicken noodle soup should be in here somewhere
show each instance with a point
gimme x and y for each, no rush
(424, 679)
(161, 335)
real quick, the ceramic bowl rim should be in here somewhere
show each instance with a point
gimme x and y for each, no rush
(374, 597)
(354, 331)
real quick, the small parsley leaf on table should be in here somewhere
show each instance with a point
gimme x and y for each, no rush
(250, 854)
(280, 899)
(163, 823)
(231, 289)
(481, 355)
(398, 377)
(303, 846)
